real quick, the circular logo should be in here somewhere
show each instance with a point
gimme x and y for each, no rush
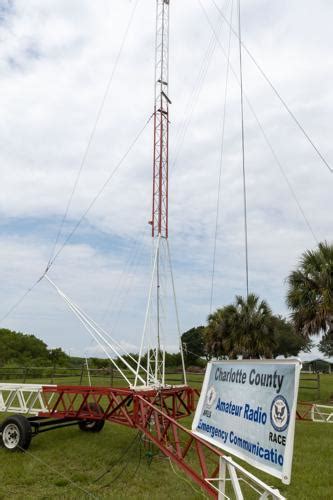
(280, 413)
(211, 396)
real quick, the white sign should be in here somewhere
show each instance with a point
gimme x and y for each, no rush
(248, 408)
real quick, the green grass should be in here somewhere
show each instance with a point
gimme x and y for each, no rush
(326, 388)
(58, 459)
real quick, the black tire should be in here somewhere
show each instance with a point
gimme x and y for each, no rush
(16, 433)
(92, 425)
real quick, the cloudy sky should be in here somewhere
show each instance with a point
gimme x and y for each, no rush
(57, 58)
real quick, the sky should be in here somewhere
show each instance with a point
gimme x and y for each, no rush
(57, 59)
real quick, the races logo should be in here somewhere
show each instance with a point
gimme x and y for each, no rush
(280, 413)
(211, 396)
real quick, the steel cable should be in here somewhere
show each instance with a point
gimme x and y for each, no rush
(293, 193)
(93, 130)
(278, 95)
(79, 222)
(243, 151)
(99, 193)
(51, 468)
(119, 459)
(195, 93)
(221, 161)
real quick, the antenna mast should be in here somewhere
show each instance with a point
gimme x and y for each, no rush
(156, 310)
(159, 220)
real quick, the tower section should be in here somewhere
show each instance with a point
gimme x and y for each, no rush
(159, 219)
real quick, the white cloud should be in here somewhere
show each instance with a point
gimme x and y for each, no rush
(55, 60)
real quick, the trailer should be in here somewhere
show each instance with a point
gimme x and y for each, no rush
(156, 413)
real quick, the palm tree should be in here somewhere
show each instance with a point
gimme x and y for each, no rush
(252, 331)
(310, 293)
(215, 334)
(326, 344)
(243, 328)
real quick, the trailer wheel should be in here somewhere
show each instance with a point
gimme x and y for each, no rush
(16, 433)
(92, 425)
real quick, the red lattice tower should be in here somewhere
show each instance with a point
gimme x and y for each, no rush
(159, 219)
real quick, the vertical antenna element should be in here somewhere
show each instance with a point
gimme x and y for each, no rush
(243, 150)
(157, 311)
(159, 220)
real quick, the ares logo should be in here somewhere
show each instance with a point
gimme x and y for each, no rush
(280, 413)
(211, 396)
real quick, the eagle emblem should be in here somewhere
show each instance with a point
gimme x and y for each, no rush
(211, 396)
(280, 413)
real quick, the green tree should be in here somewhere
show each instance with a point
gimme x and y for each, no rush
(20, 349)
(242, 328)
(252, 332)
(99, 363)
(193, 344)
(216, 333)
(326, 345)
(287, 341)
(58, 357)
(310, 292)
(173, 359)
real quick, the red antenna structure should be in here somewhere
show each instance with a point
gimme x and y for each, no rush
(159, 220)
(148, 405)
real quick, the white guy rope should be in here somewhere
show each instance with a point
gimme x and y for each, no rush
(91, 321)
(279, 164)
(93, 130)
(177, 314)
(278, 95)
(96, 339)
(93, 331)
(147, 311)
(218, 200)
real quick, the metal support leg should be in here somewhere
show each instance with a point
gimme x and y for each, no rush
(222, 478)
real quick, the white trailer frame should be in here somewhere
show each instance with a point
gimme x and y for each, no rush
(234, 473)
(23, 398)
(322, 413)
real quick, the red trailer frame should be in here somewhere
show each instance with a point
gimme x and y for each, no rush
(153, 412)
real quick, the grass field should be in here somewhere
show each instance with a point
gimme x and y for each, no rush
(69, 464)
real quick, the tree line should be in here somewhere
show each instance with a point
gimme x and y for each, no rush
(246, 328)
(19, 349)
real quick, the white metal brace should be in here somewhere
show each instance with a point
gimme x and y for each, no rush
(322, 413)
(22, 398)
(234, 473)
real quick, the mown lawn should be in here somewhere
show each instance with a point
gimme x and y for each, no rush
(69, 464)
